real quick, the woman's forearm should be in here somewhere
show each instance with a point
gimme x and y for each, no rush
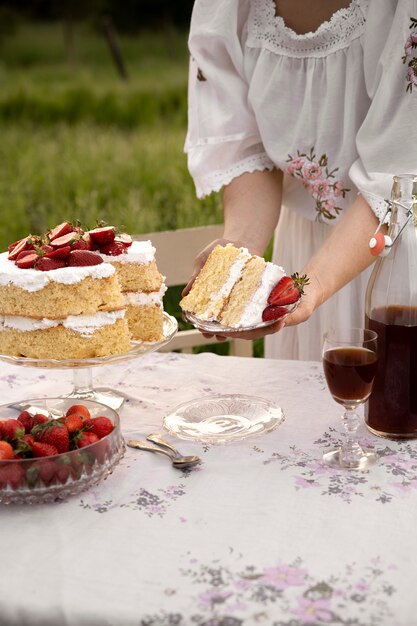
(252, 204)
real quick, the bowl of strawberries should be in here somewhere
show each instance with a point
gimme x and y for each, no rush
(53, 448)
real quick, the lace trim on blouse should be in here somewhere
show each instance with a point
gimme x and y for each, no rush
(268, 30)
(217, 179)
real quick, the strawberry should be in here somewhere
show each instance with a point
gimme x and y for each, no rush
(22, 254)
(12, 246)
(65, 240)
(44, 469)
(21, 245)
(81, 410)
(103, 236)
(39, 418)
(273, 312)
(12, 429)
(46, 249)
(26, 419)
(46, 264)
(100, 425)
(58, 253)
(81, 244)
(60, 231)
(114, 249)
(124, 238)
(28, 439)
(64, 469)
(27, 261)
(43, 449)
(6, 451)
(11, 474)
(288, 290)
(82, 258)
(73, 422)
(54, 433)
(85, 439)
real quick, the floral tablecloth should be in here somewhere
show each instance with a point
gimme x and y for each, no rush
(260, 533)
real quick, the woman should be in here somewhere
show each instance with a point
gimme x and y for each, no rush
(303, 112)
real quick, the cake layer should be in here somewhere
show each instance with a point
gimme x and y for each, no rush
(138, 277)
(215, 282)
(249, 296)
(56, 300)
(145, 322)
(59, 342)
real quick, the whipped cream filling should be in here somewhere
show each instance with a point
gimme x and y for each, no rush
(141, 252)
(35, 280)
(252, 314)
(217, 299)
(85, 325)
(148, 299)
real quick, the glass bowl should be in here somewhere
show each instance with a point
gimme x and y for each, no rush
(223, 418)
(52, 478)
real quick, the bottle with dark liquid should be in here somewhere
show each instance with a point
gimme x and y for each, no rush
(391, 311)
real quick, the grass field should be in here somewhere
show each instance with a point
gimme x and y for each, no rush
(79, 142)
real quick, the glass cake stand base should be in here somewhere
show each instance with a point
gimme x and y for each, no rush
(84, 388)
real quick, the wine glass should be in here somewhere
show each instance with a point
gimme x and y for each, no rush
(350, 363)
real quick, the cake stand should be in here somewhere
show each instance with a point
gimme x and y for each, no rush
(82, 368)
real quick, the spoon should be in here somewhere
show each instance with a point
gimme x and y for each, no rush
(155, 438)
(180, 462)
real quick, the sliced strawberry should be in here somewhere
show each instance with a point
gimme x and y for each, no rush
(80, 244)
(288, 290)
(46, 264)
(58, 253)
(27, 261)
(124, 238)
(103, 236)
(273, 312)
(82, 258)
(22, 254)
(43, 449)
(65, 240)
(12, 246)
(23, 244)
(114, 249)
(45, 248)
(60, 231)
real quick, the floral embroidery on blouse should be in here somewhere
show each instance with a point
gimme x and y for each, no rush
(410, 56)
(319, 181)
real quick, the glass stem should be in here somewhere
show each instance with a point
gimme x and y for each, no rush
(350, 451)
(83, 382)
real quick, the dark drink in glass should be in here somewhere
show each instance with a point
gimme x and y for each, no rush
(350, 373)
(392, 408)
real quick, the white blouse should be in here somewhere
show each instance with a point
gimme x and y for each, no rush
(335, 109)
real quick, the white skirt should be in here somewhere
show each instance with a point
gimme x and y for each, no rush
(296, 239)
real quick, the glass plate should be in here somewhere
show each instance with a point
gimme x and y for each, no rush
(207, 326)
(223, 418)
(138, 348)
(37, 480)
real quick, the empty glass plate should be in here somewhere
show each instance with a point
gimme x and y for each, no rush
(223, 418)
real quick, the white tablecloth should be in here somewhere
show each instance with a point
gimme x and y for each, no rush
(261, 533)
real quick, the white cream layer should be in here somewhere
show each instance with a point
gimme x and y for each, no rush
(85, 325)
(151, 298)
(141, 252)
(252, 314)
(216, 300)
(34, 280)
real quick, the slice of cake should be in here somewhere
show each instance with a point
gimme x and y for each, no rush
(240, 290)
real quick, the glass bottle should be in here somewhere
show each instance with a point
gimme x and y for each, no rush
(391, 310)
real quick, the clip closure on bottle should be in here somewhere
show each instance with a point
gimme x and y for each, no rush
(381, 244)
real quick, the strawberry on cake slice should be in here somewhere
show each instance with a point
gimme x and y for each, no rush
(241, 290)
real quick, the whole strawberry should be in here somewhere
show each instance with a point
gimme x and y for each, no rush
(100, 426)
(6, 451)
(26, 419)
(81, 410)
(11, 474)
(53, 432)
(12, 429)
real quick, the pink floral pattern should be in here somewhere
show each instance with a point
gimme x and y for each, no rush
(410, 56)
(319, 181)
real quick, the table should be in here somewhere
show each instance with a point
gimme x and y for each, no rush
(261, 533)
